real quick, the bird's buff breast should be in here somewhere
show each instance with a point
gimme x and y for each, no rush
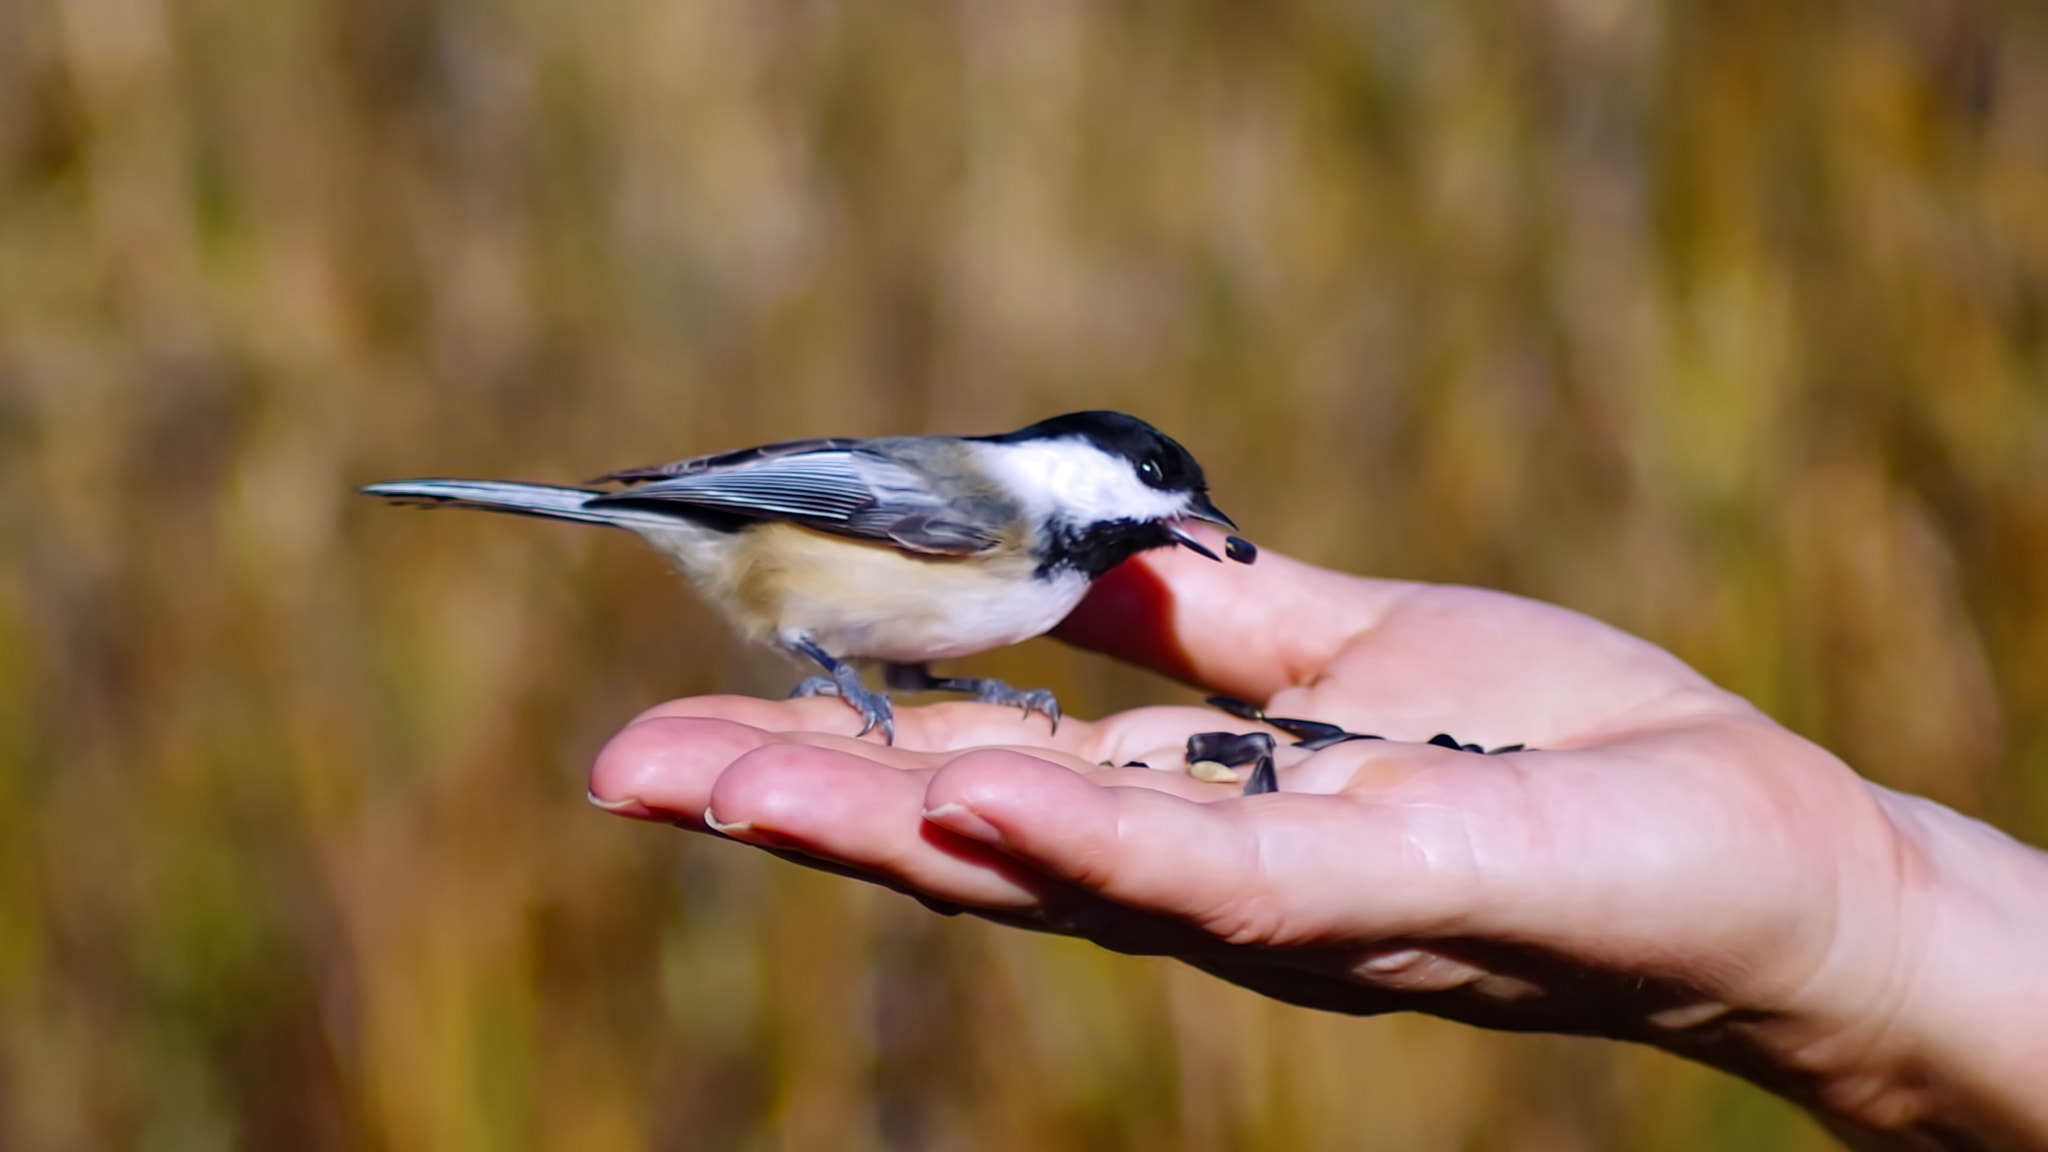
(872, 601)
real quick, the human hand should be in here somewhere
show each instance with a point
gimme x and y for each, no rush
(1670, 866)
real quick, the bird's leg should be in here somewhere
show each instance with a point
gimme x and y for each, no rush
(843, 680)
(918, 678)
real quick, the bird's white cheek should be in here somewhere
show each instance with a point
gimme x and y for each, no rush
(1076, 481)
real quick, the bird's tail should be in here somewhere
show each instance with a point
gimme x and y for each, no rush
(544, 500)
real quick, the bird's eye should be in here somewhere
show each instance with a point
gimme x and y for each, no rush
(1150, 472)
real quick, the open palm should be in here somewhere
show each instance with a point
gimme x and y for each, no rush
(1665, 864)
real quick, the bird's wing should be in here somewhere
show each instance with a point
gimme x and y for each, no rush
(836, 486)
(725, 460)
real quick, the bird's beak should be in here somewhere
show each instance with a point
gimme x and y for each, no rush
(1199, 508)
(1193, 545)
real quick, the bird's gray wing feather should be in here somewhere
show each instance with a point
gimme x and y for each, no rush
(833, 486)
(724, 460)
(923, 532)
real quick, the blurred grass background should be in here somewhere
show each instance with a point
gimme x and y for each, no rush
(1726, 322)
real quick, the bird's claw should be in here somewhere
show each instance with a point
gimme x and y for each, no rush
(814, 686)
(874, 708)
(917, 678)
(1030, 700)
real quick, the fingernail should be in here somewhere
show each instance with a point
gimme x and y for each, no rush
(1397, 961)
(610, 805)
(738, 829)
(958, 819)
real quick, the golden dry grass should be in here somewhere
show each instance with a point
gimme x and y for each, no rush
(1726, 322)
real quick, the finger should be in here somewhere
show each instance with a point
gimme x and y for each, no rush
(868, 820)
(1248, 630)
(934, 727)
(663, 766)
(1157, 737)
(1274, 870)
(847, 808)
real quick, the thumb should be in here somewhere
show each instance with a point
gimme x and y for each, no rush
(1248, 630)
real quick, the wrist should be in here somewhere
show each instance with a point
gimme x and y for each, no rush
(1972, 1013)
(1927, 1026)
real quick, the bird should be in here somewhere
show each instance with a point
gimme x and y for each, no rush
(901, 550)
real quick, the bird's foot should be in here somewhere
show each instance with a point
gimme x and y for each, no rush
(814, 686)
(875, 711)
(1030, 700)
(915, 678)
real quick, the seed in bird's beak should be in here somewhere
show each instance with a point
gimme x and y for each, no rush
(1240, 549)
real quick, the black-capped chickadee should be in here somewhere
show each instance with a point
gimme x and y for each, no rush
(904, 550)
